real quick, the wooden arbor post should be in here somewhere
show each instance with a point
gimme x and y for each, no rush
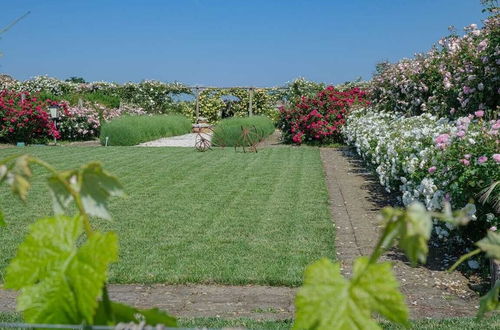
(250, 101)
(197, 111)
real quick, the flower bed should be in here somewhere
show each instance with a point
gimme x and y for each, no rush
(432, 160)
(318, 119)
(23, 118)
(455, 78)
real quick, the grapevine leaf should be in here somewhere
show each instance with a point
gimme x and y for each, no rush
(59, 282)
(18, 177)
(328, 301)
(2, 219)
(413, 226)
(379, 289)
(122, 313)
(489, 302)
(50, 241)
(491, 245)
(96, 186)
(415, 233)
(61, 197)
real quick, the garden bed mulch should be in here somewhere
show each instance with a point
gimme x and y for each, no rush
(356, 198)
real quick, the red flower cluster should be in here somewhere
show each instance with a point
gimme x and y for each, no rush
(24, 118)
(319, 118)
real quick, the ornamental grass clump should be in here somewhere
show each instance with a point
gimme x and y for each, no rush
(229, 132)
(132, 130)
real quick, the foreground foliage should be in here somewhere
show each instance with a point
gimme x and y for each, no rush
(327, 300)
(60, 272)
(132, 130)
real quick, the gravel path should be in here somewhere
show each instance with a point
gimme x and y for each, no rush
(186, 140)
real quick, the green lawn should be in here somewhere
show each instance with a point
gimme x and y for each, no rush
(216, 217)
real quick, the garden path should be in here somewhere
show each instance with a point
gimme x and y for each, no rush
(356, 197)
(186, 140)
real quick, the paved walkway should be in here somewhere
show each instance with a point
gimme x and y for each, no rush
(186, 140)
(258, 302)
(356, 197)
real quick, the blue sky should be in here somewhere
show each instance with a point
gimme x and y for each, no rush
(221, 42)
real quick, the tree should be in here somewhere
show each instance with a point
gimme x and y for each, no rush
(76, 80)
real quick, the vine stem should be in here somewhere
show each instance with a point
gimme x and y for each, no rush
(76, 196)
(463, 258)
(85, 219)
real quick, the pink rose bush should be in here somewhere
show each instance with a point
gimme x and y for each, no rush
(318, 118)
(432, 160)
(457, 77)
(23, 118)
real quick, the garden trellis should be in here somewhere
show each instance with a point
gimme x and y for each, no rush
(250, 90)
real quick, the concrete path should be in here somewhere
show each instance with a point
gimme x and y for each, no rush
(186, 140)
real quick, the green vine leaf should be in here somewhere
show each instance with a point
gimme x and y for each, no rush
(413, 226)
(59, 281)
(329, 301)
(18, 176)
(96, 186)
(489, 302)
(61, 197)
(2, 219)
(491, 245)
(122, 313)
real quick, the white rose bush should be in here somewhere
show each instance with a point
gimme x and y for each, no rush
(432, 160)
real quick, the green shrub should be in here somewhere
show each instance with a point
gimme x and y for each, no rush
(229, 131)
(132, 130)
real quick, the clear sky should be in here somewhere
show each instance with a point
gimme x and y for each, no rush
(221, 42)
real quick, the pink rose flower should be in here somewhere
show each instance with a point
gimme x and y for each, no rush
(496, 157)
(460, 134)
(493, 228)
(479, 113)
(467, 156)
(432, 169)
(465, 162)
(482, 159)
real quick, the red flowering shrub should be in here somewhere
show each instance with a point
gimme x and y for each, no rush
(318, 119)
(24, 120)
